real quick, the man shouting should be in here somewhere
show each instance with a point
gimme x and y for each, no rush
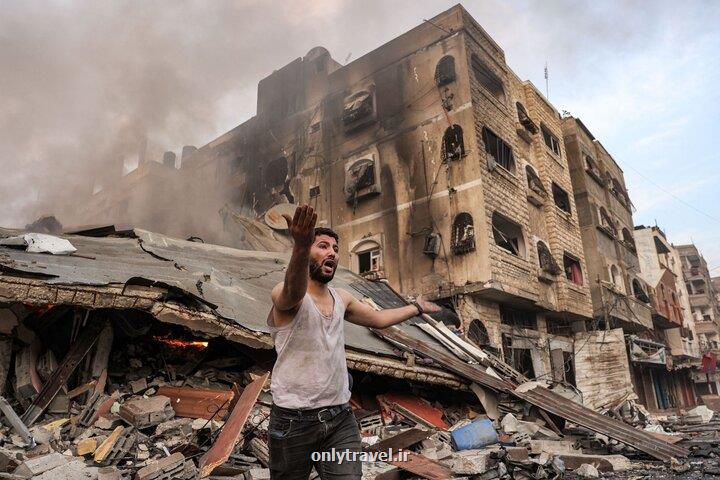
(310, 384)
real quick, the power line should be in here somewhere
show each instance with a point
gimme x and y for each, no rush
(672, 194)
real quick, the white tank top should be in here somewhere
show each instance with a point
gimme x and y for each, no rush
(310, 370)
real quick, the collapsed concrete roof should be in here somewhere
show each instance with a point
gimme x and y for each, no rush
(213, 290)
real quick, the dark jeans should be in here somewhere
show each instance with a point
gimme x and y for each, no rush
(297, 441)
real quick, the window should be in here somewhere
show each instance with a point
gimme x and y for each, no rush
(562, 200)
(432, 245)
(453, 146)
(591, 167)
(639, 292)
(628, 238)
(498, 151)
(445, 71)
(518, 318)
(519, 358)
(487, 78)
(478, 334)
(525, 119)
(276, 173)
(606, 222)
(360, 179)
(368, 257)
(315, 191)
(534, 182)
(508, 235)
(573, 272)
(358, 109)
(546, 260)
(463, 234)
(617, 190)
(551, 140)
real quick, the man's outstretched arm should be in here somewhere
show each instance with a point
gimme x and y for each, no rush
(361, 313)
(290, 293)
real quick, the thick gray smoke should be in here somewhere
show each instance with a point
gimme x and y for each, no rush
(83, 83)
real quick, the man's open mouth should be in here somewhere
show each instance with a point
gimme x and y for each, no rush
(329, 266)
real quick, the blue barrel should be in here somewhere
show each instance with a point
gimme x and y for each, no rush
(478, 434)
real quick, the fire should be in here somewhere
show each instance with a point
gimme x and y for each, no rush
(176, 342)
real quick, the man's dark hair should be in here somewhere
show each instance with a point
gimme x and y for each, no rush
(327, 231)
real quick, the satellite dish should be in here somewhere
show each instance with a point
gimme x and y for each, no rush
(274, 216)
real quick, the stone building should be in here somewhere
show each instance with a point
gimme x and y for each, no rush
(669, 382)
(441, 170)
(704, 307)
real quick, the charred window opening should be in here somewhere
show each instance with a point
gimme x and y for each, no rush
(639, 291)
(445, 71)
(478, 334)
(518, 318)
(534, 182)
(519, 358)
(573, 272)
(606, 222)
(525, 119)
(315, 191)
(432, 245)
(499, 152)
(546, 259)
(358, 109)
(360, 179)
(617, 190)
(487, 78)
(463, 234)
(551, 140)
(562, 200)
(276, 173)
(453, 145)
(508, 235)
(592, 168)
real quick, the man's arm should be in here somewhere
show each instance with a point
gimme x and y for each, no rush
(289, 294)
(363, 314)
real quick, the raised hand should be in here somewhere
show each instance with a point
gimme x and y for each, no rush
(302, 225)
(427, 306)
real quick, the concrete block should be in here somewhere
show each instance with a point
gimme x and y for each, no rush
(38, 465)
(145, 412)
(258, 474)
(472, 462)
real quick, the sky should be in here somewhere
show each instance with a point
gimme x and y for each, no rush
(81, 82)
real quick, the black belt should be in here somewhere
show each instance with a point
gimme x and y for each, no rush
(322, 414)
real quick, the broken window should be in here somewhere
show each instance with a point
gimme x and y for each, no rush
(562, 200)
(276, 173)
(463, 234)
(551, 140)
(487, 78)
(368, 257)
(546, 259)
(518, 318)
(445, 71)
(478, 334)
(508, 235)
(606, 222)
(525, 119)
(358, 108)
(617, 190)
(519, 358)
(573, 272)
(498, 151)
(432, 245)
(453, 146)
(592, 168)
(315, 191)
(628, 238)
(534, 182)
(360, 179)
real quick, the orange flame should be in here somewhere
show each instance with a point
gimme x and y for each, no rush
(175, 342)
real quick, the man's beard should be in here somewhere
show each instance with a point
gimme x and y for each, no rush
(316, 273)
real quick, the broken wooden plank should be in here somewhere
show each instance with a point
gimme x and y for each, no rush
(106, 447)
(402, 440)
(198, 402)
(230, 434)
(420, 465)
(75, 355)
